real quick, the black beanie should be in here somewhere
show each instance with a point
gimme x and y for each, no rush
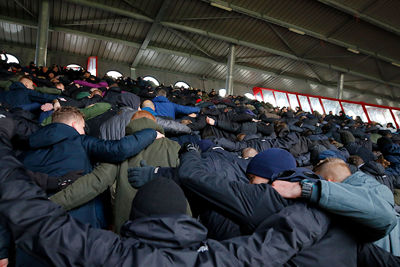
(160, 196)
(384, 141)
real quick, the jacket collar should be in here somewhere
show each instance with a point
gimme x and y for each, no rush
(141, 124)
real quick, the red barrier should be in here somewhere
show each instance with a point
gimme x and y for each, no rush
(394, 117)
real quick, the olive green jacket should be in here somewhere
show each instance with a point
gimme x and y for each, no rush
(162, 152)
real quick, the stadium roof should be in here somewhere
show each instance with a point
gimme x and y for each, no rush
(279, 44)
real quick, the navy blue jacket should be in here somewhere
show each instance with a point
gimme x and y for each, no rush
(57, 149)
(20, 96)
(168, 109)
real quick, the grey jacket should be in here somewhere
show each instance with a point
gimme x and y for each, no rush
(365, 201)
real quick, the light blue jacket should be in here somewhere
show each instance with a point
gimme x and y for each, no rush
(367, 202)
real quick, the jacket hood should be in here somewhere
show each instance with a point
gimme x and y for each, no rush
(373, 168)
(160, 99)
(172, 231)
(141, 124)
(51, 134)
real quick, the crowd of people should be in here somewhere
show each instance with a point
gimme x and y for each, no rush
(120, 172)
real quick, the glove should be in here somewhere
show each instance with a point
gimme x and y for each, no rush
(186, 147)
(62, 182)
(139, 176)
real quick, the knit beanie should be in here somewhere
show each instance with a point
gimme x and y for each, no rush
(347, 137)
(384, 141)
(205, 144)
(160, 196)
(270, 162)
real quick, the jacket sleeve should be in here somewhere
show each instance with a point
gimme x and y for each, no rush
(87, 187)
(174, 127)
(238, 200)
(118, 150)
(185, 109)
(229, 126)
(41, 98)
(370, 205)
(4, 241)
(43, 227)
(281, 236)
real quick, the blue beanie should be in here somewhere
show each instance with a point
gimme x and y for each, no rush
(271, 161)
(205, 144)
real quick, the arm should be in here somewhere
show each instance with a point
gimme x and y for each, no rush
(39, 97)
(370, 205)
(238, 200)
(118, 150)
(87, 187)
(185, 109)
(48, 90)
(281, 236)
(4, 242)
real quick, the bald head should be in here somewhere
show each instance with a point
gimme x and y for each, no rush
(249, 152)
(148, 104)
(333, 170)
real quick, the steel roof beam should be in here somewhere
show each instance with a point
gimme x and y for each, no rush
(150, 33)
(362, 16)
(187, 40)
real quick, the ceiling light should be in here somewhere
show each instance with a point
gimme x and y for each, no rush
(353, 50)
(296, 31)
(396, 64)
(221, 5)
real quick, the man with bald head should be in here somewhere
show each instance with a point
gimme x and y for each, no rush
(356, 197)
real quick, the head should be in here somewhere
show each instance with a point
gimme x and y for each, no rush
(268, 163)
(148, 104)
(27, 83)
(240, 136)
(333, 170)
(249, 152)
(162, 92)
(355, 160)
(60, 86)
(143, 114)
(70, 116)
(159, 197)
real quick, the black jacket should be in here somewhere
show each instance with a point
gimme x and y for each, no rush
(249, 205)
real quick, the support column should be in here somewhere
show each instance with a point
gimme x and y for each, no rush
(230, 66)
(133, 73)
(42, 33)
(340, 86)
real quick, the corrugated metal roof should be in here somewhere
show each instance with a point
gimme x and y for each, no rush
(262, 45)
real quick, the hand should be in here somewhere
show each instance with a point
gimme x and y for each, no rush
(56, 105)
(287, 189)
(210, 121)
(139, 176)
(4, 262)
(46, 107)
(186, 147)
(192, 115)
(159, 135)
